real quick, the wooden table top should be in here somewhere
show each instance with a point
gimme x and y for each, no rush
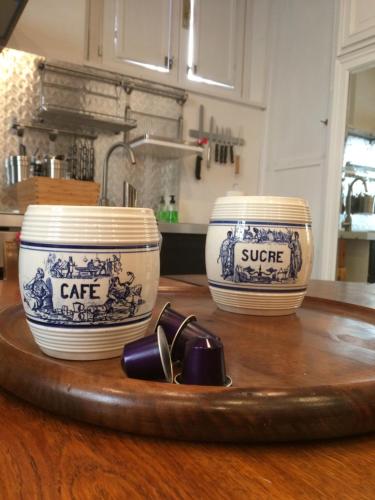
(48, 457)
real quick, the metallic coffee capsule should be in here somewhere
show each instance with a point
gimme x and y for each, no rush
(204, 363)
(187, 331)
(171, 321)
(148, 358)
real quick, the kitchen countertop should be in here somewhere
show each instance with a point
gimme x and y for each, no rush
(47, 456)
(357, 235)
(10, 220)
(14, 220)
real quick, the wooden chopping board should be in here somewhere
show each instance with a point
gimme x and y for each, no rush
(305, 376)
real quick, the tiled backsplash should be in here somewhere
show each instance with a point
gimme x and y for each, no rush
(19, 98)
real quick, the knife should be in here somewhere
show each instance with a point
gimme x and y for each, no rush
(237, 159)
(198, 160)
(226, 146)
(217, 150)
(209, 152)
(231, 151)
(222, 146)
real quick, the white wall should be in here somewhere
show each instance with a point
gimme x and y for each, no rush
(52, 29)
(197, 196)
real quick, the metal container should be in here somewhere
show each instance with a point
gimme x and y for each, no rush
(129, 195)
(17, 168)
(38, 168)
(56, 169)
(368, 204)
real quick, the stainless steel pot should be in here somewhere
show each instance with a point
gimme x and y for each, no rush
(57, 169)
(17, 168)
(368, 204)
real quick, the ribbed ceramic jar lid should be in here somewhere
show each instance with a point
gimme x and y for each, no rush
(262, 208)
(89, 225)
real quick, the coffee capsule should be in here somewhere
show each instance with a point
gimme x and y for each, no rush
(186, 332)
(148, 358)
(204, 363)
(171, 320)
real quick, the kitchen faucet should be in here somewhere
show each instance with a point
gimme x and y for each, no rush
(103, 198)
(347, 224)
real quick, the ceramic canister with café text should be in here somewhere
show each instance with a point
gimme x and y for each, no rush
(88, 277)
(259, 254)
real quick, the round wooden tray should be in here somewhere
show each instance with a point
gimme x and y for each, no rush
(305, 376)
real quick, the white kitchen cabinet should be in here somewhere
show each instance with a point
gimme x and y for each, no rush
(139, 37)
(221, 49)
(217, 40)
(357, 24)
(256, 59)
(143, 32)
(228, 50)
(228, 41)
(53, 29)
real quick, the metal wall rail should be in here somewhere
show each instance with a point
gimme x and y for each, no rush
(128, 83)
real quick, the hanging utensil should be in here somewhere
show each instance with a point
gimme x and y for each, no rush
(80, 162)
(85, 161)
(92, 162)
(237, 158)
(209, 151)
(226, 146)
(199, 157)
(74, 159)
(217, 147)
(222, 146)
(231, 151)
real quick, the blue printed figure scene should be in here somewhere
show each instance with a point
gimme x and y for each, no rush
(92, 268)
(56, 292)
(38, 292)
(259, 262)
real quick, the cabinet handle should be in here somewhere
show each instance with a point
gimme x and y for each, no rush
(325, 122)
(168, 62)
(193, 68)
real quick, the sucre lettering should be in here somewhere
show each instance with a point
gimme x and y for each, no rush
(79, 291)
(262, 256)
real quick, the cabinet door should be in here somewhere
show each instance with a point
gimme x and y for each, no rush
(142, 31)
(357, 24)
(140, 37)
(212, 49)
(217, 28)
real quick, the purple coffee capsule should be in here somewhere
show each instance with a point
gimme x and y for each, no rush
(171, 321)
(204, 363)
(148, 358)
(186, 332)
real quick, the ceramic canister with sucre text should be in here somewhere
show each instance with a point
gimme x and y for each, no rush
(259, 254)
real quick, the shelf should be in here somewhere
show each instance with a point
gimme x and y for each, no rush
(59, 116)
(160, 147)
(353, 170)
(357, 235)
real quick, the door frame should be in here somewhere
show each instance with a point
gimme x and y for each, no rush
(344, 65)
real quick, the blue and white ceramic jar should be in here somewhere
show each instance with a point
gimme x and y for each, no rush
(259, 254)
(88, 277)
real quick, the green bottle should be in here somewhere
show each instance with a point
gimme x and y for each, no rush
(162, 213)
(172, 210)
